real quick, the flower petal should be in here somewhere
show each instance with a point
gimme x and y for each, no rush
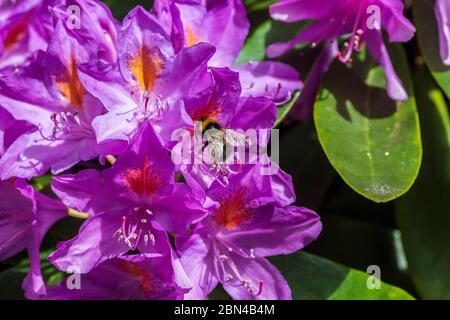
(94, 244)
(265, 278)
(288, 230)
(379, 52)
(442, 10)
(197, 261)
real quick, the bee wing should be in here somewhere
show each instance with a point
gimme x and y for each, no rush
(216, 150)
(235, 139)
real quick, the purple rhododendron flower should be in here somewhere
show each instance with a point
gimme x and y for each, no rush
(48, 94)
(336, 18)
(96, 22)
(132, 205)
(133, 277)
(27, 25)
(220, 106)
(25, 218)
(147, 82)
(214, 22)
(442, 10)
(248, 220)
(224, 24)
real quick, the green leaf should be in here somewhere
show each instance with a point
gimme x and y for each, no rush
(314, 278)
(265, 34)
(428, 36)
(42, 182)
(423, 214)
(120, 8)
(371, 140)
(256, 5)
(255, 45)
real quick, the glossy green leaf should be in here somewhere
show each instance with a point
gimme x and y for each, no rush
(120, 8)
(371, 140)
(266, 33)
(423, 214)
(255, 45)
(428, 36)
(314, 278)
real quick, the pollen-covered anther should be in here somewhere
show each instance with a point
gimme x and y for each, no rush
(149, 108)
(223, 257)
(228, 278)
(355, 43)
(251, 289)
(135, 227)
(149, 238)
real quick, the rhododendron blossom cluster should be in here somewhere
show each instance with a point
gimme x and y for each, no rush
(155, 138)
(118, 91)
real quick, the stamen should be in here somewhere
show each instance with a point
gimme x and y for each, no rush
(135, 227)
(225, 262)
(355, 42)
(152, 238)
(65, 124)
(228, 278)
(261, 285)
(146, 99)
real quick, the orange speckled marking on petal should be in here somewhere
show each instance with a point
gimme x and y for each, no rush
(137, 271)
(143, 180)
(146, 67)
(71, 87)
(191, 38)
(232, 211)
(208, 111)
(17, 32)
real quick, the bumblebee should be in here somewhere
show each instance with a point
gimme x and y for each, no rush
(220, 140)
